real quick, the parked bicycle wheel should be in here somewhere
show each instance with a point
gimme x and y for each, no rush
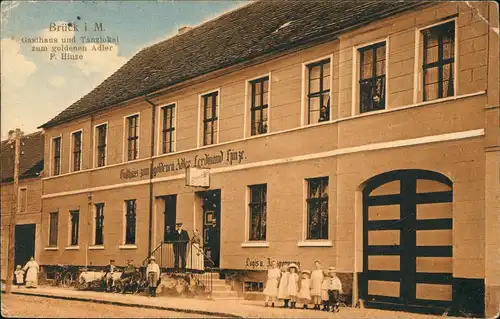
(68, 280)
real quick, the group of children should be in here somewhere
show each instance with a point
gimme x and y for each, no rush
(315, 287)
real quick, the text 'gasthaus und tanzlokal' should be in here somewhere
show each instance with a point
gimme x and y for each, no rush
(59, 46)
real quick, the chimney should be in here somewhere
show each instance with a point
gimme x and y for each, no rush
(184, 29)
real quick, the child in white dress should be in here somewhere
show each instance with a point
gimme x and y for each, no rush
(271, 290)
(324, 292)
(19, 275)
(316, 281)
(305, 285)
(282, 289)
(293, 284)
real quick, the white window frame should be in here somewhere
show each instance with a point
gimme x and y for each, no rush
(304, 85)
(71, 153)
(95, 151)
(247, 243)
(248, 98)
(51, 166)
(125, 137)
(418, 74)
(355, 75)
(304, 242)
(69, 246)
(159, 128)
(57, 230)
(94, 226)
(25, 200)
(200, 117)
(124, 226)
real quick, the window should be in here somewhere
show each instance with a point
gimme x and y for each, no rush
(101, 145)
(372, 77)
(130, 219)
(77, 150)
(170, 214)
(56, 142)
(317, 208)
(253, 286)
(318, 94)
(210, 118)
(259, 105)
(75, 226)
(168, 128)
(132, 137)
(23, 199)
(53, 228)
(258, 210)
(99, 224)
(438, 61)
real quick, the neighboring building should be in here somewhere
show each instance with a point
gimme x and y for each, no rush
(28, 219)
(364, 134)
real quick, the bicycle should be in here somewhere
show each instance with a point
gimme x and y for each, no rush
(64, 277)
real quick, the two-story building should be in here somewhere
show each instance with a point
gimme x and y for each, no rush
(29, 205)
(364, 134)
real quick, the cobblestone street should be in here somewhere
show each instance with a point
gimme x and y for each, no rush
(39, 307)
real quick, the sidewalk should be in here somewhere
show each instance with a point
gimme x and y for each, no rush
(219, 308)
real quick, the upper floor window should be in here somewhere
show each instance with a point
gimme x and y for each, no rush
(318, 92)
(132, 137)
(53, 228)
(438, 61)
(130, 222)
(23, 199)
(372, 77)
(101, 144)
(210, 119)
(259, 105)
(168, 129)
(258, 211)
(75, 227)
(76, 140)
(56, 161)
(317, 208)
(99, 224)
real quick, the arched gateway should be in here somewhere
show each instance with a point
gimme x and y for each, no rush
(407, 241)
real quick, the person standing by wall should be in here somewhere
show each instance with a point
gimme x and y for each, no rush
(316, 281)
(153, 273)
(271, 290)
(283, 286)
(32, 268)
(181, 239)
(19, 276)
(108, 277)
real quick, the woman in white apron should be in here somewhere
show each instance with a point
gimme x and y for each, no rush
(32, 269)
(195, 258)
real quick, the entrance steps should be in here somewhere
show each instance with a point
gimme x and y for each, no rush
(221, 290)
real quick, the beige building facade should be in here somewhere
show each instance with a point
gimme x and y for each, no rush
(375, 151)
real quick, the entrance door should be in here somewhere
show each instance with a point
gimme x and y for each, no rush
(24, 243)
(407, 241)
(211, 226)
(169, 215)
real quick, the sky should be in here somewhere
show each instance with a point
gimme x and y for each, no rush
(35, 88)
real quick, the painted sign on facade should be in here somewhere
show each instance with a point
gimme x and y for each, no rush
(265, 262)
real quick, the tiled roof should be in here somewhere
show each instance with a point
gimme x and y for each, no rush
(254, 30)
(30, 162)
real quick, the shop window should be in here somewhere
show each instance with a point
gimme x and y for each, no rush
(132, 137)
(99, 224)
(258, 212)
(372, 77)
(253, 286)
(210, 119)
(75, 227)
(130, 222)
(317, 208)
(23, 199)
(318, 94)
(168, 129)
(56, 161)
(438, 61)
(77, 150)
(101, 144)
(259, 105)
(53, 228)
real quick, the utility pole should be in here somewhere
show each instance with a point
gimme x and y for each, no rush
(15, 206)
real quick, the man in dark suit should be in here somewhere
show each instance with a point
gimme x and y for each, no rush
(108, 276)
(181, 239)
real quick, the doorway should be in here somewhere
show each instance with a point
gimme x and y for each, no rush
(210, 202)
(24, 243)
(407, 241)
